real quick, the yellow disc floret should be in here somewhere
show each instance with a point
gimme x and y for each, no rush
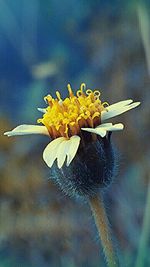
(67, 117)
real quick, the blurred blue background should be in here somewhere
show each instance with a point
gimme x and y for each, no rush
(43, 46)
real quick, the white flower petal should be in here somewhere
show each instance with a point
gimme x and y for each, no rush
(120, 104)
(50, 152)
(116, 127)
(112, 112)
(60, 148)
(27, 129)
(111, 127)
(43, 110)
(103, 128)
(61, 153)
(103, 125)
(73, 145)
(99, 131)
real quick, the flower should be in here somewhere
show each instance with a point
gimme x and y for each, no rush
(66, 121)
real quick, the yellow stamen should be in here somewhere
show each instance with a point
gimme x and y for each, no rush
(70, 90)
(105, 104)
(97, 94)
(89, 91)
(82, 87)
(67, 117)
(79, 93)
(58, 95)
(48, 99)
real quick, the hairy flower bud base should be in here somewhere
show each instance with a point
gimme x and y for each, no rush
(91, 170)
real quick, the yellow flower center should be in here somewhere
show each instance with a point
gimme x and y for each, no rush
(67, 117)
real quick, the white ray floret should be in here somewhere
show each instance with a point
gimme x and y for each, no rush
(117, 109)
(120, 104)
(72, 149)
(61, 148)
(43, 110)
(103, 128)
(61, 153)
(27, 129)
(50, 152)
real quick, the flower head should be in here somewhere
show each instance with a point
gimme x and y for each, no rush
(66, 121)
(65, 118)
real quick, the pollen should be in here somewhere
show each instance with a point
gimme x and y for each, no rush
(66, 117)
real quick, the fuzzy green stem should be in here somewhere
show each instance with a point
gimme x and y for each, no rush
(101, 220)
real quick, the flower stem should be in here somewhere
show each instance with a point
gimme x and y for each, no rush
(101, 220)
